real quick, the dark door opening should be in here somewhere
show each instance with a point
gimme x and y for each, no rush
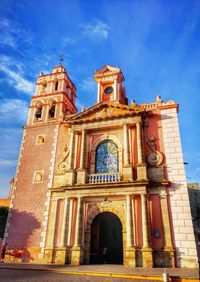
(106, 239)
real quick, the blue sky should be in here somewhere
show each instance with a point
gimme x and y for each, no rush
(155, 43)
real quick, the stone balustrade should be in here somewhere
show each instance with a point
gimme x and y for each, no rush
(103, 177)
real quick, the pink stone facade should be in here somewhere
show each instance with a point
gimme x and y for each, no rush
(59, 199)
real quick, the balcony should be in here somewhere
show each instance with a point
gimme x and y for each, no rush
(104, 177)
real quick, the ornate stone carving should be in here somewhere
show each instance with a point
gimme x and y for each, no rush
(155, 158)
(64, 164)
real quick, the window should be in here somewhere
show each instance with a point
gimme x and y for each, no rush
(52, 109)
(38, 112)
(56, 85)
(107, 157)
(38, 176)
(40, 139)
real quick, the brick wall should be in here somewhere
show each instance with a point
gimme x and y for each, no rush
(29, 200)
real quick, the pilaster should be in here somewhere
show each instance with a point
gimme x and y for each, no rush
(168, 248)
(77, 254)
(146, 249)
(129, 250)
(127, 168)
(141, 166)
(82, 172)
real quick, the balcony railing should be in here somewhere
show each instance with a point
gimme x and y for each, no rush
(103, 177)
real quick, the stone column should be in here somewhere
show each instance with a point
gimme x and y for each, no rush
(141, 166)
(126, 146)
(146, 250)
(98, 92)
(128, 222)
(76, 147)
(129, 251)
(127, 169)
(71, 148)
(76, 257)
(82, 160)
(81, 172)
(115, 90)
(168, 248)
(48, 252)
(70, 221)
(70, 174)
(65, 223)
(60, 253)
(139, 142)
(78, 221)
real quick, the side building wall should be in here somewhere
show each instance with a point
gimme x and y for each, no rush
(180, 206)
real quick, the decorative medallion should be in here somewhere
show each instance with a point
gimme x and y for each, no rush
(155, 158)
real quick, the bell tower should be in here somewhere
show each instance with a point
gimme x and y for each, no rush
(55, 97)
(110, 85)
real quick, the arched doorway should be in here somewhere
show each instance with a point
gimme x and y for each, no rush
(106, 239)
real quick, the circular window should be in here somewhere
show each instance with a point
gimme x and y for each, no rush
(108, 90)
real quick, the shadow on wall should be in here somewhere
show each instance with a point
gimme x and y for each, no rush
(23, 236)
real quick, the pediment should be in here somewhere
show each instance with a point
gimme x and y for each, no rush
(104, 111)
(107, 70)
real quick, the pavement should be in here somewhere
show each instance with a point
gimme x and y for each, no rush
(108, 270)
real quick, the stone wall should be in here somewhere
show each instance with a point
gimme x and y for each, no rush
(180, 207)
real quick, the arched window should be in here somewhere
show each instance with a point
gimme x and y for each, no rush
(38, 113)
(52, 109)
(56, 85)
(107, 157)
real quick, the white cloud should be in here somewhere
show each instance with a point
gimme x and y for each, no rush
(13, 110)
(88, 84)
(4, 162)
(11, 33)
(96, 29)
(15, 77)
(10, 144)
(68, 41)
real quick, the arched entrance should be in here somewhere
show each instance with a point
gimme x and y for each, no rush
(106, 239)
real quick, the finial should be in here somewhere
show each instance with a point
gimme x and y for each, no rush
(133, 103)
(158, 99)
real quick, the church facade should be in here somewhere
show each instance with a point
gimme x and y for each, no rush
(106, 185)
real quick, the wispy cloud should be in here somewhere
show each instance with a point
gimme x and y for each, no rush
(10, 143)
(4, 162)
(13, 110)
(96, 29)
(87, 84)
(12, 34)
(15, 77)
(69, 40)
